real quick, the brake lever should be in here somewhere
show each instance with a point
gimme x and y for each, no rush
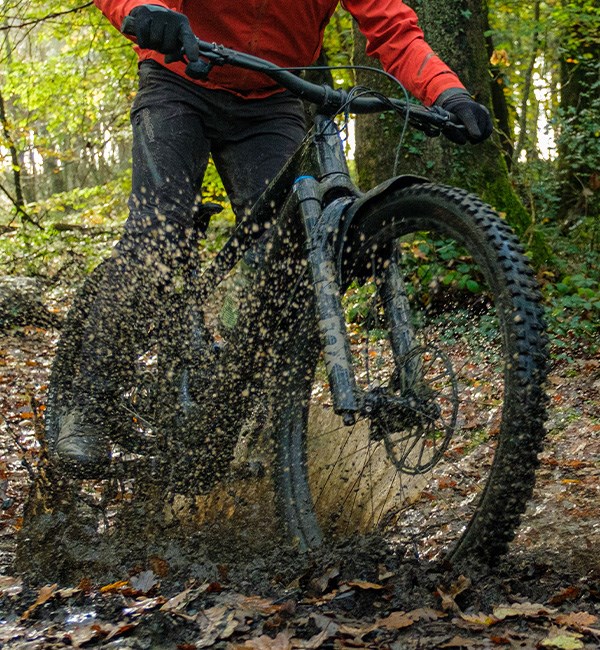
(448, 122)
(199, 69)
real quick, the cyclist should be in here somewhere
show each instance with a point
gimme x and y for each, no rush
(248, 124)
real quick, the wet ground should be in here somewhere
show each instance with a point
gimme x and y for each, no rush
(544, 594)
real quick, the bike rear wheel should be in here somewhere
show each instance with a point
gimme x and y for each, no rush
(448, 337)
(170, 469)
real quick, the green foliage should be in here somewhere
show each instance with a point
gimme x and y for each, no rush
(441, 266)
(68, 83)
(357, 301)
(560, 184)
(579, 140)
(579, 23)
(580, 131)
(80, 228)
(439, 274)
(337, 45)
(579, 292)
(212, 187)
(572, 296)
(432, 269)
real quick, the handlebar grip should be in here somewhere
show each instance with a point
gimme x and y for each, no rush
(128, 26)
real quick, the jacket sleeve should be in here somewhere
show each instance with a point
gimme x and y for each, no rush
(395, 38)
(116, 10)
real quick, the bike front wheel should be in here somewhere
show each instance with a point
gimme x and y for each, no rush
(447, 334)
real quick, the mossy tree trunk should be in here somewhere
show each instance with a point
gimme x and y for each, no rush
(456, 30)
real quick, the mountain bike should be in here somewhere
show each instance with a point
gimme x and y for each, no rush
(388, 359)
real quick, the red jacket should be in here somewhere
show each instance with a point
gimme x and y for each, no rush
(290, 33)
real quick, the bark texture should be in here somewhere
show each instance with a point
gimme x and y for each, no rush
(456, 31)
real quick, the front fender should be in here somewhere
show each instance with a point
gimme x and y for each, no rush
(366, 201)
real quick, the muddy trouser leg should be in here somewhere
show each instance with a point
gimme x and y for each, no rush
(170, 153)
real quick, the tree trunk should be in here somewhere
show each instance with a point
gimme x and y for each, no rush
(523, 141)
(579, 159)
(499, 103)
(455, 29)
(16, 197)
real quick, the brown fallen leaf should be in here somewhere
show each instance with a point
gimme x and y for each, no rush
(500, 640)
(44, 595)
(159, 565)
(217, 623)
(114, 631)
(253, 606)
(84, 634)
(85, 584)
(326, 598)
(363, 584)
(280, 642)
(569, 593)
(448, 595)
(528, 610)
(178, 603)
(143, 605)
(481, 619)
(425, 614)
(68, 592)
(577, 620)
(357, 632)
(395, 621)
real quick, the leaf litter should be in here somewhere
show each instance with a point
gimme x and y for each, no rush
(545, 594)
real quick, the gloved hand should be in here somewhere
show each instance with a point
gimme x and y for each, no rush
(475, 117)
(161, 29)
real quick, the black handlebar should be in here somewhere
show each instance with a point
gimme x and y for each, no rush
(431, 121)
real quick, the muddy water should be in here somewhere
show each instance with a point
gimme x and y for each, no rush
(350, 471)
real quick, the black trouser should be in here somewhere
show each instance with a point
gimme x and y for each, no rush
(176, 126)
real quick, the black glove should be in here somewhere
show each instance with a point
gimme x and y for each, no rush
(475, 117)
(161, 29)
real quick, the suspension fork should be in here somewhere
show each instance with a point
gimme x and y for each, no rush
(330, 315)
(398, 316)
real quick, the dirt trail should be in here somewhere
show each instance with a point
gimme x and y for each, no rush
(546, 593)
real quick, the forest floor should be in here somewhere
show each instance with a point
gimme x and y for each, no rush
(544, 594)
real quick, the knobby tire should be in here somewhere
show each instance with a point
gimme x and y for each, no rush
(497, 260)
